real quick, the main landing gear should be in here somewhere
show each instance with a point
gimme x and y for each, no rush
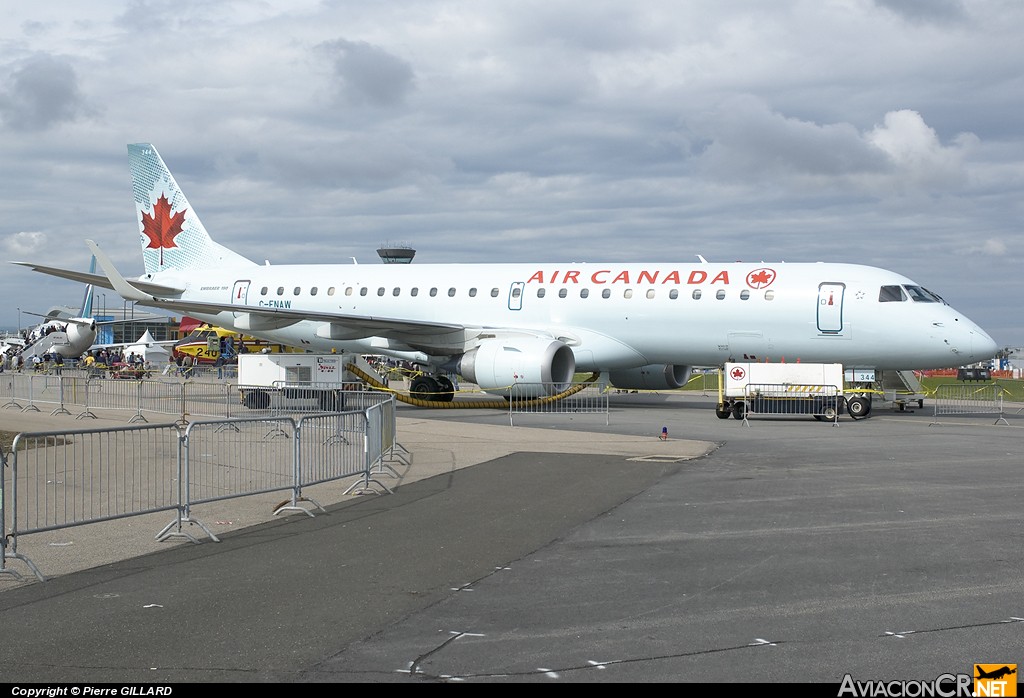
(858, 407)
(432, 388)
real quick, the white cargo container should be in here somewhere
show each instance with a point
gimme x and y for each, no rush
(799, 388)
(739, 375)
(294, 381)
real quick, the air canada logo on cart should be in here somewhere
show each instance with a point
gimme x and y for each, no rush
(737, 373)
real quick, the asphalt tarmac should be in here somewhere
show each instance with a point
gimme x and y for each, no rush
(565, 550)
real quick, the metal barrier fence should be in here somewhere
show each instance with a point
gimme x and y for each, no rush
(185, 399)
(963, 399)
(523, 400)
(823, 402)
(60, 479)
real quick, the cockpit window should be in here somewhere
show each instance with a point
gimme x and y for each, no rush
(889, 294)
(922, 295)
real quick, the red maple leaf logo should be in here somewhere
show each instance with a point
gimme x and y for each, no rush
(161, 228)
(760, 278)
(738, 373)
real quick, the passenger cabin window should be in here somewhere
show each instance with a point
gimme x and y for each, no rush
(472, 293)
(380, 290)
(584, 292)
(433, 292)
(650, 293)
(494, 293)
(312, 291)
(696, 294)
(330, 291)
(769, 295)
(541, 292)
(628, 293)
(280, 290)
(451, 293)
(414, 292)
(297, 291)
(744, 295)
(721, 294)
(516, 292)
(348, 291)
(674, 293)
(363, 291)
(263, 291)
(395, 291)
(889, 294)
(562, 293)
(606, 293)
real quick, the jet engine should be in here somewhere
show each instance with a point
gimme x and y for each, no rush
(651, 377)
(547, 365)
(81, 335)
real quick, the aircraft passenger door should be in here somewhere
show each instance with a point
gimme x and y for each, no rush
(515, 295)
(830, 308)
(239, 292)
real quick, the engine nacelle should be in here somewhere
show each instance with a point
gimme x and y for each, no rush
(80, 338)
(651, 377)
(545, 365)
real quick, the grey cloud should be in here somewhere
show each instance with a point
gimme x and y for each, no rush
(749, 141)
(369, 75)
(41, 92)
(926, 10)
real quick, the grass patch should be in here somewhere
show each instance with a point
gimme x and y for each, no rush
(7, 441)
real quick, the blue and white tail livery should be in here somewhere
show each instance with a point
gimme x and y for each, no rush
(171, 233)
(642, 325)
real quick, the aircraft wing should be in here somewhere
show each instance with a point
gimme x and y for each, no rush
(99, 279)
(282, 317)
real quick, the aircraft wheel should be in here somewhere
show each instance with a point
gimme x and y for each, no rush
(858, 407)
(739, 410)
(722, 411)
(329, 402)
(424, 388)
(447, 389)
(256, 400)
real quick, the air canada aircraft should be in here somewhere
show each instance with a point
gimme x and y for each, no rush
(643, 325)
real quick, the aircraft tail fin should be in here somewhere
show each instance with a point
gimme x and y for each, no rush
(87, 298)
(171, 233)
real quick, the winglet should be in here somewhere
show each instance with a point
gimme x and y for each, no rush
(120, 284)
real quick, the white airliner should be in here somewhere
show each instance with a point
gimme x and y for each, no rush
(644, 325)
(68, 337)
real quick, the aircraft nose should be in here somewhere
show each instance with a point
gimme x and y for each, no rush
(982, 346)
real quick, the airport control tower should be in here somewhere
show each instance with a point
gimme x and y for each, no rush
(401, 254)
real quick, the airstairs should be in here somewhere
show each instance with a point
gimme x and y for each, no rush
(44, 345)
(902, 388)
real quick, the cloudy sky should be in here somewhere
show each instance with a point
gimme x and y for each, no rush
(884, 132)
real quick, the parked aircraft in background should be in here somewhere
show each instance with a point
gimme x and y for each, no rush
(67, 337)
(207, 343)
(643, 324)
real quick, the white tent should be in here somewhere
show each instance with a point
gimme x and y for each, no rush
(151, 352)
